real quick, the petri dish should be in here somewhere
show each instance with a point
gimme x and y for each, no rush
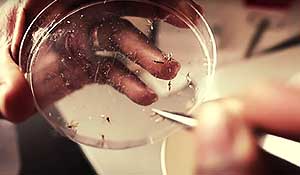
(97, 70)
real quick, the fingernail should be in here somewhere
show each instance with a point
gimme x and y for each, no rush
(145, 97)
(152, 96)
(224, 143)
(169, 70)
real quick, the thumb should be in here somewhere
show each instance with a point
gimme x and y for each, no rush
(225, 145)
(16, 102)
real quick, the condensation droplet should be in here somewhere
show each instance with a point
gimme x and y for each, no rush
(193, 100)
(158, 120)
(137, 72)
(67, 83)
(151, 141)
(49, 77)
(87, 66)
(179, 93)
(102, 116)
(149, 21)
(26, 75)
(91, 77)
(153, 114)
(151, 27)
(168, 56)
(69, 22)
(189, 104)
(166, 18)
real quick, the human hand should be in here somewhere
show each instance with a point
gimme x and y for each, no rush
(16, 102)
(230, 129)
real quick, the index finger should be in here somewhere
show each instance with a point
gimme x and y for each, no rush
(271, 108)
(57, 9)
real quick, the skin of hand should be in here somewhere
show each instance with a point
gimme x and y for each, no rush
(16, 101)
(229, 130)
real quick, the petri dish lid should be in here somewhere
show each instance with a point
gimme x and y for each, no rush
(96, 71)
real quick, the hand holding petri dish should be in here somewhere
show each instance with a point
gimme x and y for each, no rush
(96, 71)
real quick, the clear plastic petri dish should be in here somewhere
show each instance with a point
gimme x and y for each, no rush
(97, 70)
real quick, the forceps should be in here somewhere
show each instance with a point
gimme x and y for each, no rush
(183, 119)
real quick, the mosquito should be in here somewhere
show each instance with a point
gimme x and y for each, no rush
(73, 125)
(159, 62)
(170, 85)
(108, 120)
(188, 78)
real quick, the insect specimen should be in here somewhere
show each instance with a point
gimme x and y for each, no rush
(159, 62)
(170, 85)
(73, 125)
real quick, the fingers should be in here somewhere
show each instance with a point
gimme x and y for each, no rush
(273, 108)
(188, 8)
(112, 71)
(17, 33)
(152, 59)
(225, 145)
(128, 83)
(54, 79)
(115, 34)
(154, 66)
(29, 9)
(137, 47)
(226, 128)
(72, 63)
(16, 102)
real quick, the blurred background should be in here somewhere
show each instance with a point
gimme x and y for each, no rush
(257, 40)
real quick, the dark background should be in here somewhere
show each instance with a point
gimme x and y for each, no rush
(44, 152)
